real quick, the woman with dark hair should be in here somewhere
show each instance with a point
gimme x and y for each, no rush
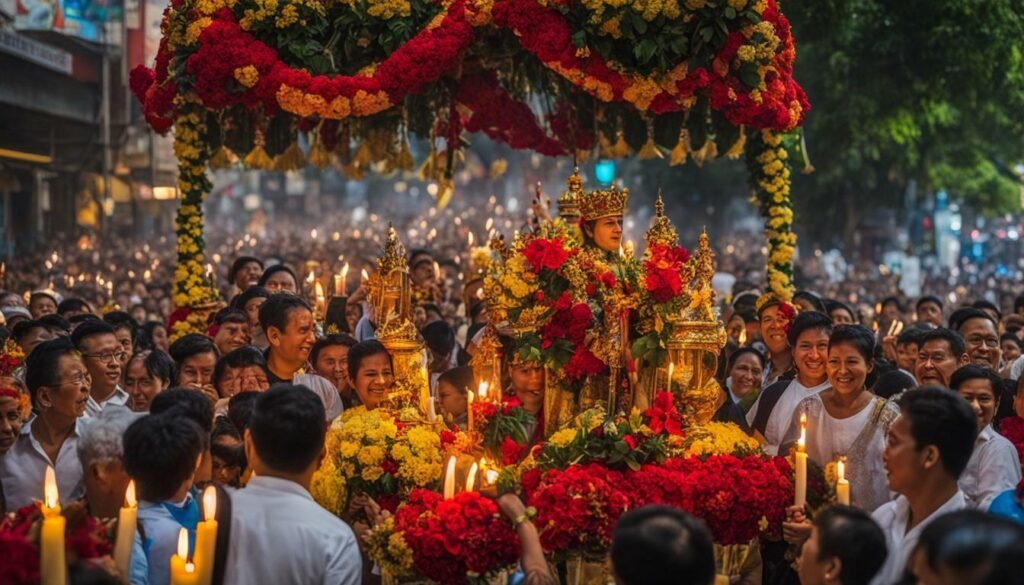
(743, 376)
(243, 370)
(371, 371)
(153, 335)
(846, 420)
(279, 278)
(805, 300)
(451, 394)
(840, 313)
(148, 373)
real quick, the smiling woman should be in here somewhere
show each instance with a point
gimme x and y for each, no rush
(371, 371)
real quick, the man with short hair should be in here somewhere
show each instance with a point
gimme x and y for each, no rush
(245, 272)
(42, 302)
(125, 331)
(230, 330)
(285, 445)
(70, 307)
(443, 350)
(994, 466)
(846, 547)
(103, 357)
(288, 323)
(927, 450)
(661, 545)
(981, 336)
(195, 357)
(101, 452)
(929, 310)
(942, 352)
(774, 320)
(29, 333)
(329, 358)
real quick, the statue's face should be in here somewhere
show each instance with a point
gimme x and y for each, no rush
(607, 233)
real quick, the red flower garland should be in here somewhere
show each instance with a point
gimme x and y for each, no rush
(1012, 427)
(491, 110)
(577, 507)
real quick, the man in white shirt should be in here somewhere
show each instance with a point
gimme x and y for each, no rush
(279, 535)
(291, 332)
(103, 358)
(994, 466)
(772, 413)
(926, 452)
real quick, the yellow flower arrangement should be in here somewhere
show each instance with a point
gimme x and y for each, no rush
(389, 550)
(769, 168)
(716, 438)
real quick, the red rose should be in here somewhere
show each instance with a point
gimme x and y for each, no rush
(563, 302)
(511, 451)
(607, 279)
(545, 254)
(630, 440)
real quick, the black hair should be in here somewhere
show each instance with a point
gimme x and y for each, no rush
(743, 351)
(928, 299)
(894, 301)
(82, 318)
(858, 337)
(914, 334)
(254, 292)
(330, 341)
(42, 366)
(190, 345)
(418, 252)
(274, 270)
(160, 454)
(984, 305)
(288, 427)
(121, 320)
(185, 403)
(661, 545)
(56, 323)
(231, 455)
(976, 547)
(850, 535)
(89, 329)
(73, 304)
(276, 311)
(240, 263)
(145, 339)
(975, 372)
(812, 298)
(243, 357)
(745, 301)
(240, 410)
(21, 329)
(475, 307)
(944, 419)
(1018, 303)
(807, 321)
(892, 383)
(965, 314)
(41, 295)
(461, 378)
(439, 337)
(832, 305)
(157, 363)
(362, 350)
(230, 315)
(955, 341)
(1013, 338)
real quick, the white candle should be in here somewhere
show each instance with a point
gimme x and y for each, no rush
(206, 537)
(471, 478)
(126, 520)
(671, 370)
(449, 479)
(469, 411)
(53, 568)
(431, 412)
(843, 484)
(801, 463)
(482, 390)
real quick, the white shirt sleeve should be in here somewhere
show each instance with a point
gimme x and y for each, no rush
(345, 564)
(999, 470)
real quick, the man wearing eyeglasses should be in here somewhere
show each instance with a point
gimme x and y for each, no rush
(103, 357)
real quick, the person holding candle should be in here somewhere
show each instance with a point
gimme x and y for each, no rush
(847, 420)
(162, 454)
(148, 373)
(846, 547)
(927, 450)
(291, 331)
(329, 358)
(58, 382)
(994, 466)
(104, 357)
(772, 412)
(277, 530)
(371, 370)
(101, 452)
(279, 279)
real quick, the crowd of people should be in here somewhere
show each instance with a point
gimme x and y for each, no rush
(921, 399)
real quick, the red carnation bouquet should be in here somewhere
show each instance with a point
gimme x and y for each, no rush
(576, 507)
(463, 540)
(666, 271)
(1012, 427)
(504, 429)
(668, 275)
(86, 539)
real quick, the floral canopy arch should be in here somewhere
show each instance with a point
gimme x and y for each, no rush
(613, 78)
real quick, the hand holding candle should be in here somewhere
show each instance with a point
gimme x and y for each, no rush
(52, 564)
(842, 484)
(126, 520)
(801, 463)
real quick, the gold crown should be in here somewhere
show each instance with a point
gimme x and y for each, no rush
(569, 202)
(662, 232)
(604, 203)
(394, 253)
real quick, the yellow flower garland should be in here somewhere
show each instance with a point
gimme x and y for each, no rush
(768, 163)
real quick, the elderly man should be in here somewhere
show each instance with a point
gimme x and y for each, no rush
(101, 452)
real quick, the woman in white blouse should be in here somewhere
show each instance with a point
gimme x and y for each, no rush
(847, 420)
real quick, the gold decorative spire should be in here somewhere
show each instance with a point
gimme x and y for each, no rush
(569, 202)
(394, 253)
(662, 231)
(599, 204)
(390, 292)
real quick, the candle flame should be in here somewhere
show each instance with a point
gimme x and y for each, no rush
(469, 239)
(482, 390)
(841, 469)
(190, 568)
(319, 290)
(743, 336)
(311, 278)
(129, 495)
(50, 494)
(471, 478)
(491, 476)
(489, 224)
(312, 234)
(470, 396)
(671, 370)
(183, 543)
(210, 503)
(366, 276)
(344, 271)
(801, 443)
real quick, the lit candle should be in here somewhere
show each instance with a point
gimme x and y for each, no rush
(341, 282)
(842, 484)
(206, 537)
(321, 301)
(182, 571)
(431, 411)
(482, 391)
(365, 275)
(126, 520)
(471, 478)
(469, 410)
(53, 569)
(801, 463)
(437, 271)
(449, 479)
(671, 370)
(211, 276)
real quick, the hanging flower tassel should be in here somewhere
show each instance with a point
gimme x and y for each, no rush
(650, 149)
(707, 152)
(223, 158)
(808, 167)
(258, 157)
(445, 190)
(737, 147)
(621, 148)
(404, 160)
(682, 148)
(291, 159)
(318, 156)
